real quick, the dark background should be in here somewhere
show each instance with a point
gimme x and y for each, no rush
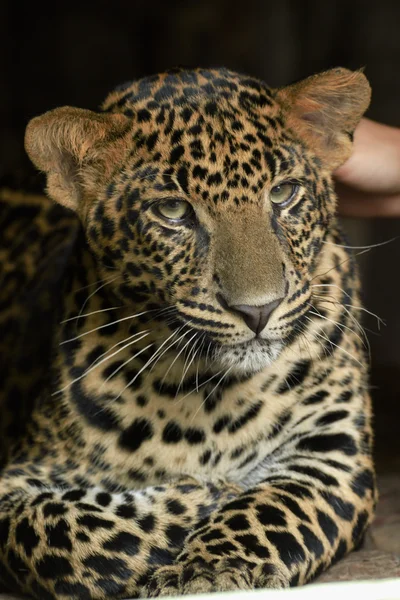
(77, 53)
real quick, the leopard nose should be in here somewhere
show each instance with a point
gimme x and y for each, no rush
(255, 317)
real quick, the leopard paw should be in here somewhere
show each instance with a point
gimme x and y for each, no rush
(164, 582)
(267, 576)
(200, 577)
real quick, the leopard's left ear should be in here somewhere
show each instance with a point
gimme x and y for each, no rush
(325, 109)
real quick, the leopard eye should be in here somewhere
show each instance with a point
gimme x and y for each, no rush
(174, 210)
(284, 193)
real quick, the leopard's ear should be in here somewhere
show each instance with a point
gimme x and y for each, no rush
(77, 149)
(325, 109)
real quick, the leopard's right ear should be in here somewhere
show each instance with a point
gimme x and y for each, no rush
(77, 149)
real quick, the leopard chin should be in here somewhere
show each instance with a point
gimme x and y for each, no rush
(249, 358)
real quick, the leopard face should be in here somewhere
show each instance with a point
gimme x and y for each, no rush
(209, 207)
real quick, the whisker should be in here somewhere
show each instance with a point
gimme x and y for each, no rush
(357, 324)
(94, 312)
(196, 390)
(315, 340)
(208, 352)
(212, 391)
(121, 366)
(119, 344)
(178, 355)
(305, 341)
(146, 365)
(340, 264)
(85, 287)
(334, 285)
(363, 247)
(98, 363)
(379, 319)
(164, 351)
(95, 292)
(175, 332)
(198, 361)
(336, 346)
(124, 365)
(194, 352)
(325, 300)
(109, 325)
(340, 326)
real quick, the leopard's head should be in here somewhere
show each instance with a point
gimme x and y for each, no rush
(208, 194)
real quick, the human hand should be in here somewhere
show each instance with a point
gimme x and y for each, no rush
(368, 183)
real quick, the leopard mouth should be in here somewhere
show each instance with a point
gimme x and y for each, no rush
(244, 357)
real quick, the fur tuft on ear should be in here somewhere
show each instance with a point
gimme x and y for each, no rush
(75, 148)
(325, 110)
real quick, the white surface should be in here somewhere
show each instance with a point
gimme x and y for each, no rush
(380, 589)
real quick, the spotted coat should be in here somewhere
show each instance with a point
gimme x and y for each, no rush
(201, 419)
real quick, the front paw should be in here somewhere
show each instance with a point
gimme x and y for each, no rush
(195, 578)
(164, 582)
(199, 577)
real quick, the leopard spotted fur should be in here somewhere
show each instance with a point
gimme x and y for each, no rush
(201, 420)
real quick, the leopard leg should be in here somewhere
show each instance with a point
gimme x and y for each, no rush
(312, 510)
(89, 543)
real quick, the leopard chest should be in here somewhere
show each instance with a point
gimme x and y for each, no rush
(162, 430)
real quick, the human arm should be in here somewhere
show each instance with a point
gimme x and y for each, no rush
(368, 183)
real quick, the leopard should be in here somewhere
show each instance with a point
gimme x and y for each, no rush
(184, 395)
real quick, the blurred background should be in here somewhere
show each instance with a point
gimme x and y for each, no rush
(77, 53)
